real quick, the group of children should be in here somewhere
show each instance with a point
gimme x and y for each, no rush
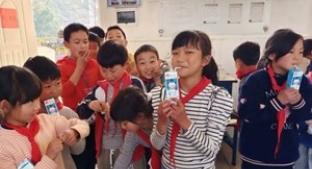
(119, 98)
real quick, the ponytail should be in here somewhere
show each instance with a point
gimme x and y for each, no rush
(210, 71)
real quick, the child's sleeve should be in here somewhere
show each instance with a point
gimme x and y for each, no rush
(253, 104)
(158, 140)
(78, 148)
(208, 143)
(68, 87)
(62, 124)
(130, 143)
(302, 109)
(83, 109)
(7, 162)
(138, 83)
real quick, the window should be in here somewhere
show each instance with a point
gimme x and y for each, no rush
(51, 16)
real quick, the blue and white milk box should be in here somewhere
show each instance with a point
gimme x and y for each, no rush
(171, 85)
(294, 78)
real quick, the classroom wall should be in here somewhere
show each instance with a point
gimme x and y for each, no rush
(282, 14)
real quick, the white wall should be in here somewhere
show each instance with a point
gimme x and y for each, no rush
(294, 14)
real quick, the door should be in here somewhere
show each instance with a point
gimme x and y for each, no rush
(17, 32)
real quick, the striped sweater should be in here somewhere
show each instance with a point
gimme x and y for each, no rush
(209, 112)
(14, 147)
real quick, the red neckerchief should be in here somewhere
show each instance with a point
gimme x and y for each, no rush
(124, 81)
(242, 73)
(30, 134)
(281, 115)
(59, 104)
(175, 128)
(155, 159)
(310, 76)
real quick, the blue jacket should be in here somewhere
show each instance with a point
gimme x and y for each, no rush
(258, 107)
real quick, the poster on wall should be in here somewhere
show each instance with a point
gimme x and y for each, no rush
(123, 3)
(8, 18)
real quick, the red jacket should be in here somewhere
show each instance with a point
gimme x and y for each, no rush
(73, 94)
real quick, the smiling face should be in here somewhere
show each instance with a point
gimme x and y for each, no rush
(147, 63)
(190, 61)
(290, 60)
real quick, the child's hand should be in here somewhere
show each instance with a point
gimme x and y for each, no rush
(96, 105)
(295, 97)
(157, 72)
(54, 148)
(179, 115)
(309, 122)
(285, 96)
(163, 116)
(69, 137)
(106, 110)
(83, 59)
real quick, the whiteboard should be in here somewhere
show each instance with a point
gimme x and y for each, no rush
(222, 17)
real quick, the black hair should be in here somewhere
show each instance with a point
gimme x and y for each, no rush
(145, 48)
(280, 43)
(112, 53)
(248, 53)
(94, 38)
(73, 27)
(18, 85)
(98, 31)
(44, 68)
(128, 103)
(307, 47)
(115, 27)
(201, 41)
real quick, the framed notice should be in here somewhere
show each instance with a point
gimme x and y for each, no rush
(125, 17)
(123, 3)
(8, 18)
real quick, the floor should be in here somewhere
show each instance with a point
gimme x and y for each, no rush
(224, 158)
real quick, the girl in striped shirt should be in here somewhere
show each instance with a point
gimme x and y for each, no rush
(190, 131)
(27, 139)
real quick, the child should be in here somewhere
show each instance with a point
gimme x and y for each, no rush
(29, 139)
(267, 140)
(190, 130)
(112, 58)
(99, 32)
(94, 45)
(148, 66)
(305, 126)
(246, 57)
(135, 116)
(79, 73)
(115, 33)
(307, 53)
(51, 88)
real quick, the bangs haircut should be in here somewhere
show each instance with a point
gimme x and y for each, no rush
(186, 38)
(44, 68)
(18, 85)
(281, 43)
